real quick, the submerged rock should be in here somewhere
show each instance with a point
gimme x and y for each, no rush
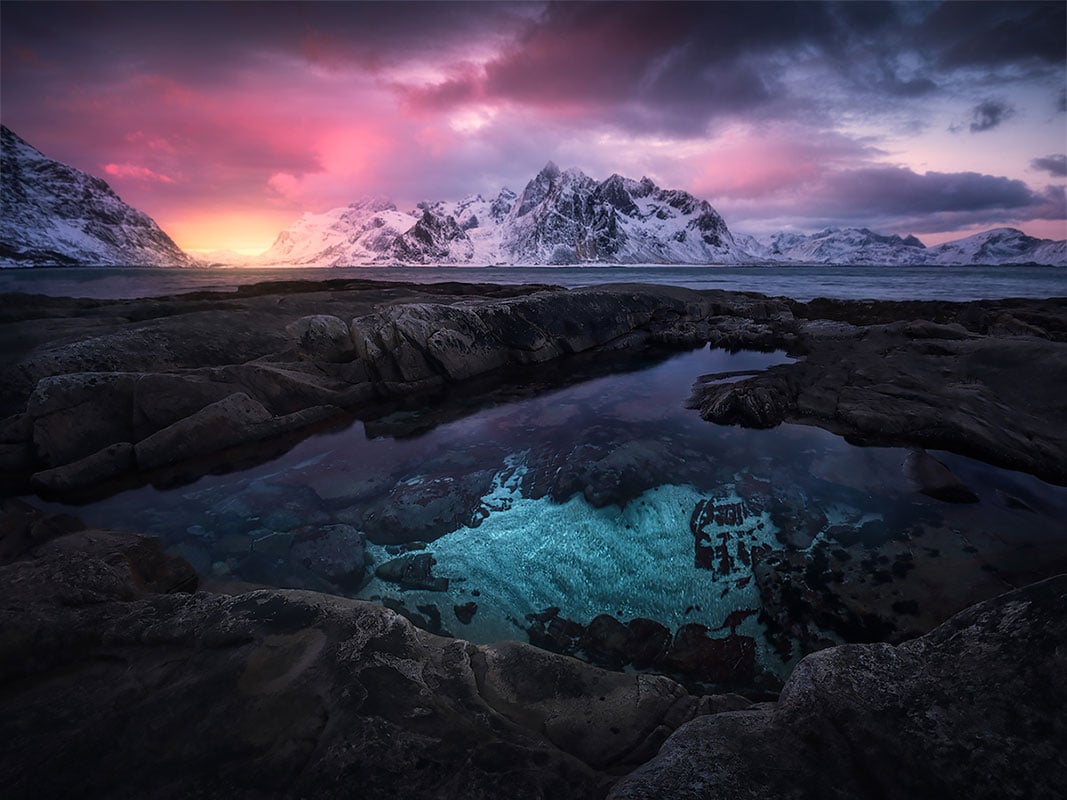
(412, 572)
(934, 479)
(426, 507)
(336, 552)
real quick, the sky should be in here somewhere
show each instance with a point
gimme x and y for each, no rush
(226, 121)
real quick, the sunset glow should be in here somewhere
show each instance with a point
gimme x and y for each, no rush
(226, 121)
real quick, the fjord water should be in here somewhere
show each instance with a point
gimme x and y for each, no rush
(798, 282)
(598, 498)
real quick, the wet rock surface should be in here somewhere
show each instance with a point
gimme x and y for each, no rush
(692, 655)
(182, 378)
(119, 682)
(958, 378)
(964, 711)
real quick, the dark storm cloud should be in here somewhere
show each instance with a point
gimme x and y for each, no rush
(673, 67)
(897, 198)
(989, 114)
(997, 34)
(676, 67)
(897, 190)
(207, 41)
(1055, 165)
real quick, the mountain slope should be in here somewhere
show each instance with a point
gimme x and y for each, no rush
(567, 217)
(846, 246)
(359, 233)
(1001, 246)
(861, 246)
(561, 217)
(52, 214)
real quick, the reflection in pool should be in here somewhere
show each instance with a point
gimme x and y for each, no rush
(718, 554)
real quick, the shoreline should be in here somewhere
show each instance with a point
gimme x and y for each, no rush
(294, 687)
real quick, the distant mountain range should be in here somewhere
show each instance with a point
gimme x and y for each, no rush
(53, 214)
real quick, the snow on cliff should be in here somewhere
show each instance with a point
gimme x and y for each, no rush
(52, 214)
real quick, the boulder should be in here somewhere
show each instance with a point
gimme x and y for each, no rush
(412, 572)
(322, 337)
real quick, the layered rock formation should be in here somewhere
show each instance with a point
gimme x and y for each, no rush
(947, 376)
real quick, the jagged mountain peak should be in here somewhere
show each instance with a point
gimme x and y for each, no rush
(373, 203)
(550, 171)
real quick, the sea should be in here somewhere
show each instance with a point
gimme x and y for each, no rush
(797, 282)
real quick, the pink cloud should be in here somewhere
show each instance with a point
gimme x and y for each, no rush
(135, 172)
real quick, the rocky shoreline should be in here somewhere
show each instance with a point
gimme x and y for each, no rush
(104, 639)
(94, 390)
(119, 679)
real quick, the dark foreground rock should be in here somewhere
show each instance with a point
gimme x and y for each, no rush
(98, 391)
(101, 390)
(983, 379)
(971, 710)
(116, 681)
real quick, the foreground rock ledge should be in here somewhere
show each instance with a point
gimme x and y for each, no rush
(116, 681)
(96, 390)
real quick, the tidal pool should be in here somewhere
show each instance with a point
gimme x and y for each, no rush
(563, 518)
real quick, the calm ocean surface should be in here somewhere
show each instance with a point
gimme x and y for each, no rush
(801, 283)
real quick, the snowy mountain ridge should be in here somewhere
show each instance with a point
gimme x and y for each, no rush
(53, 214)
(861, 246)
(560, 217)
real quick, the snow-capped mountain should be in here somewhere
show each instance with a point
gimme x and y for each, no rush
(360, 233)
(561, 217)
(52, 214)
(1001, 246)
(845, 246)
(861, 246)
(567, 217)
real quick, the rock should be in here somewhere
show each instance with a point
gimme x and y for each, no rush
(934, 479)
(336, 552)
(647, 644)
(972, 709)
(925, 383)
(874, 582)
(412, 572)
(271, 543)
(426, 507)
(110, 462)
(322, 337)
(234, 420)
(227, 422)
(465, 613)
(605, 641)
(23, 527)
(291, 693)
(727, 660)
(79, 414)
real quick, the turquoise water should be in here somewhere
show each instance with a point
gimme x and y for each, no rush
(586, 499)
(801, 283)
